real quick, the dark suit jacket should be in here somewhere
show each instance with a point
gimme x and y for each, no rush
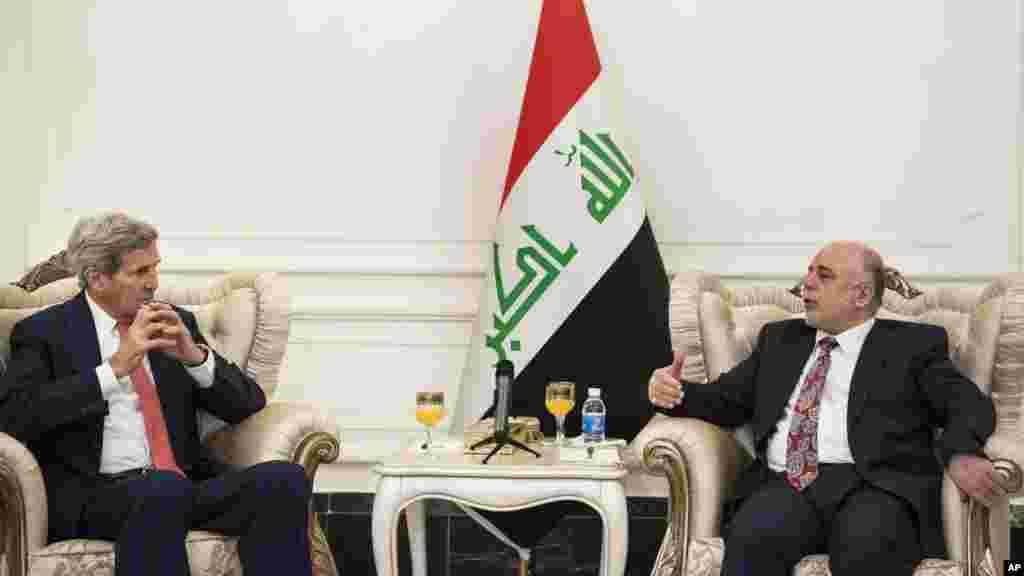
(904, 387)
(50, 400)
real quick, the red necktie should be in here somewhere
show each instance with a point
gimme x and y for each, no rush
(152, 415)
(802, 446)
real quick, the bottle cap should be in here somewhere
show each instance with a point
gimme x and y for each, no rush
(593, 392)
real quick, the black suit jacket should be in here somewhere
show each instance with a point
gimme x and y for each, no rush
(50, 400)
(904, 387)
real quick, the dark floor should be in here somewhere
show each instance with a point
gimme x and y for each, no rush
(457, 546)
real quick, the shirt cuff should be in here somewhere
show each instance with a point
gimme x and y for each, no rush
(203, 373)
(108, 382)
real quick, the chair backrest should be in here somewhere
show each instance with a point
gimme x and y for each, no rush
(244, 316)
(717, 327)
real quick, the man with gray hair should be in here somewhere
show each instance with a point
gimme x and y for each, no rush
(104, 390)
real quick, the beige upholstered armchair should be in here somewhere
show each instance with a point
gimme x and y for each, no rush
(245, 317)
(717, 327)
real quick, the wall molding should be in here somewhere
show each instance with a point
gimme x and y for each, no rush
(393, 331)
(926, 262)
(321, 254)
(352, 311)
(338, 285)
(312, 254)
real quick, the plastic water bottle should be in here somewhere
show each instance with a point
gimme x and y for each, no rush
(594, 413)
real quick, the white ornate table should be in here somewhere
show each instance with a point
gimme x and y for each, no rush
(506, 482)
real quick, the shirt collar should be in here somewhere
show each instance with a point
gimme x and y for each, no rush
(105, 323)
(850, 340)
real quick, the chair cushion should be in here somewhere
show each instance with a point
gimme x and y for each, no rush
(817, 565)
(706, 560)
(229, 323)
(209, 554)
(705, 557)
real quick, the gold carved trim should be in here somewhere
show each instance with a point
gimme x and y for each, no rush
(15, 530)
(315, 449)
(665, 457)
(320, 549)
(977, 532)
(1013, 480)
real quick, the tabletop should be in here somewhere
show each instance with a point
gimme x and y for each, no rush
(554, 463)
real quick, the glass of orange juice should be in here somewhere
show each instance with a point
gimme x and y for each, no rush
(559, 398)
(429, 412)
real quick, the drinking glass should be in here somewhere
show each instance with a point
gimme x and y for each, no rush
(559, 398)
(429, 412)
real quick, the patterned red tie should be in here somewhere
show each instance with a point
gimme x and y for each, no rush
(802, 446)
(152, 415)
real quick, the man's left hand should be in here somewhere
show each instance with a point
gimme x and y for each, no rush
(185, 349)
(977, 477)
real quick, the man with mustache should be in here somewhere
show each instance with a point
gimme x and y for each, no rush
(104, 390)
(843, 407)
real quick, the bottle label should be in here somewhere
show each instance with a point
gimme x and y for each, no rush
(593, 424)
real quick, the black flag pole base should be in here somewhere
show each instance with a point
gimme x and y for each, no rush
(500, 440)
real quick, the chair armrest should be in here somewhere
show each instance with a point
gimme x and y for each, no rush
(23, 510)
(975, 535)
(701, 462)
(1006, 450)
(293, 431)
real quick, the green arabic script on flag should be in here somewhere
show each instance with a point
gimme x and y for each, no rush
(524, 256)
(603, 198)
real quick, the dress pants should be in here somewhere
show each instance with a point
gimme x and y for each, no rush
(265, 506)
(863, 529)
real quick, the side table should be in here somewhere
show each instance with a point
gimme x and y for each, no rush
(506, 482)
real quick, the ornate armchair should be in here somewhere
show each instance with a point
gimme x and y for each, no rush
(245, 316)
(717, 327)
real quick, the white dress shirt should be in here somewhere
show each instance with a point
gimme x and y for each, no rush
(833, 444)
(124, 433)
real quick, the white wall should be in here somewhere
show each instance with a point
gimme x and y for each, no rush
(359, 148)
(22, 148)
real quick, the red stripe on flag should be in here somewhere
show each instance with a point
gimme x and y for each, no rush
(564, 65)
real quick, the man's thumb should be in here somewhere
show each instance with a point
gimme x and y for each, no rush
(677, 364)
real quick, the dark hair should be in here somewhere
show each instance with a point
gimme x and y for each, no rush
(875, 269)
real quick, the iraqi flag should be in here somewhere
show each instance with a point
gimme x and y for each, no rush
(576, 290)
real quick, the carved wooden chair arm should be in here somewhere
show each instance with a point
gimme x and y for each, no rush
(968, 523)
(701, 462)
(22, 504)
(296, 432)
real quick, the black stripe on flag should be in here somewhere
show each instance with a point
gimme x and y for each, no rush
(613, 340)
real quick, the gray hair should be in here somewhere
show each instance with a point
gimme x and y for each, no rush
(100, 242)
(874, 268)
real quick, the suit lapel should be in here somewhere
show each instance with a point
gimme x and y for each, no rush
(870, 368)
(794, 364)
(790, 358)
(80, 328)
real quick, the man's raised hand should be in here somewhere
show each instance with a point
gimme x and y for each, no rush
(665, 389)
